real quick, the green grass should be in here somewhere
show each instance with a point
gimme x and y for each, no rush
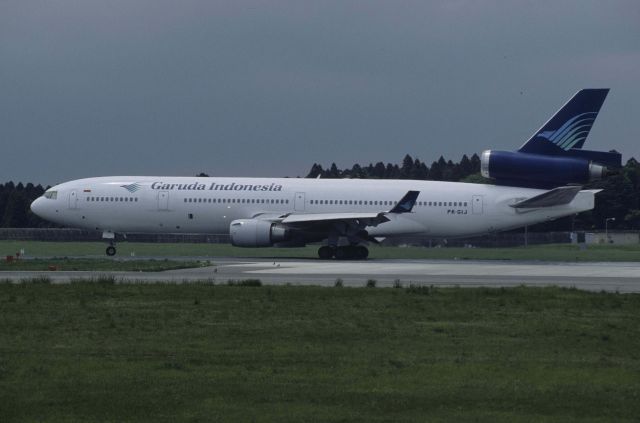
(555, 252)
(163, 353)
(66, 264)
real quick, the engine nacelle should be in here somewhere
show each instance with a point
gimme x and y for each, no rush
(257, 233)
(515, 166)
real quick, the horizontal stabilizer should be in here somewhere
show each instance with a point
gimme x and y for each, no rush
(555, 197)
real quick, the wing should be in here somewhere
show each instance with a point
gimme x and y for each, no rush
(405, 205)
(346, 224)
(325, 217)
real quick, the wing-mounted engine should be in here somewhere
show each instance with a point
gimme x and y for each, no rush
(258, 233)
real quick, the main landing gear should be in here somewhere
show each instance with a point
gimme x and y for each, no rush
(347, 252)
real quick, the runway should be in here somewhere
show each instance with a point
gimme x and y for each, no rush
(612, 277)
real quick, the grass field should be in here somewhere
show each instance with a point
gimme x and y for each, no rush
(556, 252)
(102, 352)
(75, 264)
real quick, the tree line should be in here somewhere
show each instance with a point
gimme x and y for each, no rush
(15, 200)
(620, 198)
(440, 170)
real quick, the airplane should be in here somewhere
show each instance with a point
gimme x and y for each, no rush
(540, 181)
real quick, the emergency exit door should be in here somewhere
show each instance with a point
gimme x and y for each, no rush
(477, 204)
(163, 200)
(299, 201)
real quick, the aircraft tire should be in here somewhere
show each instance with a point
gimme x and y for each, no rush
(325, 253)
(343, 253)
(111, 250)
(361, 252)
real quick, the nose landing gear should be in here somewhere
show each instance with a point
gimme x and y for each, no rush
(111, 250)
(111, 238)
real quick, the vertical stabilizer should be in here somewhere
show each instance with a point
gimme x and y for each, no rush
(569, 127)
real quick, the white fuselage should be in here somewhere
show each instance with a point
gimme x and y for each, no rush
(139, 204)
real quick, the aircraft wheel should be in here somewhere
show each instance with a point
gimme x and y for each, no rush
(345, 253)
(325, 253)
(361, 252)
(111, 250)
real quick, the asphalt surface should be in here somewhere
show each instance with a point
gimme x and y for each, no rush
(600, 276)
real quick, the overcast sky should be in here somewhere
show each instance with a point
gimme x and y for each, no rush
(267, 88)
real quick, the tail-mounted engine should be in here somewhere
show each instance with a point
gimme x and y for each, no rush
(516, 168)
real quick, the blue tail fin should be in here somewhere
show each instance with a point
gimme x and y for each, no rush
(569, 127)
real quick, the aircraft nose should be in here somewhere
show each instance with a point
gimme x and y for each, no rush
(37, 207)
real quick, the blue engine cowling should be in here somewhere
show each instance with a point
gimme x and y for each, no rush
(516, 168)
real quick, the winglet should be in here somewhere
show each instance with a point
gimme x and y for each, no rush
(406, 203)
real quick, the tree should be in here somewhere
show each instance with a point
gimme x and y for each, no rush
(316, 170)
(333, 172)
(407, 167)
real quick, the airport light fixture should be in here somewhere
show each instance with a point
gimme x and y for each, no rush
(606, 226)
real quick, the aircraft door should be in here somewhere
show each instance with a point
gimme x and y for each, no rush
(477, 204)
(73, 199)
(163, 200)
(299, 201)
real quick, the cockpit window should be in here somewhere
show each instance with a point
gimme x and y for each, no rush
(51, 195)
